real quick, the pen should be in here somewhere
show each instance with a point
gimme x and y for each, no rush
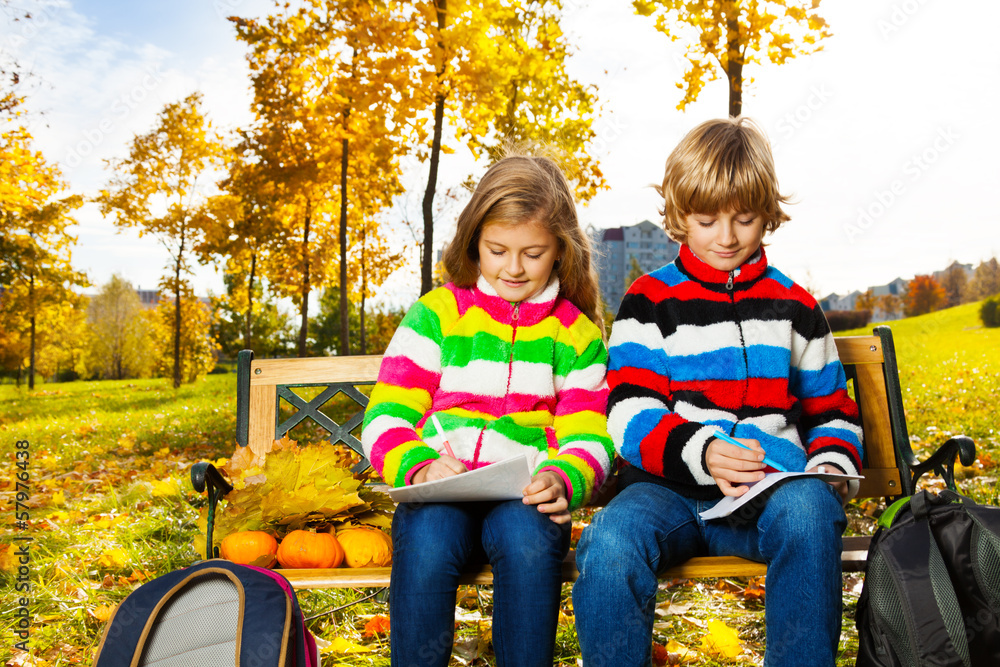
(722, 436)
(444, 440)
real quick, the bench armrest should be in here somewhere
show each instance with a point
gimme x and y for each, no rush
(205, 476)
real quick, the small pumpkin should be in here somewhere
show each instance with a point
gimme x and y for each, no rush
(365, 547)
(249, 547)
(305, 549)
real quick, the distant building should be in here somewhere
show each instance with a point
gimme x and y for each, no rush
(616, 246)
(148, 297)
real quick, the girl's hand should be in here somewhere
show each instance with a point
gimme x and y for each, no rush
(840, 486)
(548, 491)
(733, 466)
(445, 466)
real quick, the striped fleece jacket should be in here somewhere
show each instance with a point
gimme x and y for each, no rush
(747, 351)
(504, 379)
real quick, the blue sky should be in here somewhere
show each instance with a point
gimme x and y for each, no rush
(886, 140)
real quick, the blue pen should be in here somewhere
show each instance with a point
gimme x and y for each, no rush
(722, 436)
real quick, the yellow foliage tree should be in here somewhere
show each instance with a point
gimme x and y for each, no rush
(36, 273)
(723, 36)
(160, 188)
(497, 69)
(119, 345)
(196, 330)
(330, 86)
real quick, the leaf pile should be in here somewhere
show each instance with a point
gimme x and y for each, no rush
(283, 487)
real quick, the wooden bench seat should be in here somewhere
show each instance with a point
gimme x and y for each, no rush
(890, 467)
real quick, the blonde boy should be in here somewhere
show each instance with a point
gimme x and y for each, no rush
(720, 340)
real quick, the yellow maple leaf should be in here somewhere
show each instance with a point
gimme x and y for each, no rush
(162, 488)
(113, 558)
(102, 613)
(722, 640)
(59, 497)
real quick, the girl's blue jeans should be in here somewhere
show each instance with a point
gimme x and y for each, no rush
(434, 542)
(646, 528)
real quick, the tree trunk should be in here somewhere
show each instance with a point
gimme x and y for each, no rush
(734, 65)
(427, 262)
(31, 358)
(304, 309)
(345, 347)
(247, 343)
(364, 288)
(177, 322)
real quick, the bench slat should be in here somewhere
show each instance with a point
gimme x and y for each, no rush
(853, 559)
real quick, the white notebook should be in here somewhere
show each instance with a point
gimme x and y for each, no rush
(500, 481)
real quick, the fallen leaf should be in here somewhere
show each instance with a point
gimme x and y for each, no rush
(721, 640)
(342, 645)
(378, 625)
(102, 613)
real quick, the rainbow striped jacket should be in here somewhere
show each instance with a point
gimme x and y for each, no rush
(749, 352)
(503, 379)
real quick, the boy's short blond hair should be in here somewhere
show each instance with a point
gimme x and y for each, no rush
(720, 165)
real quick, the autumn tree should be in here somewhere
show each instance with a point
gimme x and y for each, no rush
(542, 104)
(954, 282)
(634, 272)
(119, 342)
(240, 225)
(330, 82)
(497, 70)
(196, 331)
(36, 274)
(865, 301)
(924, 295)
(160, 187)
(721, 37)
(986, 280)
(890, 305)
(273, 330)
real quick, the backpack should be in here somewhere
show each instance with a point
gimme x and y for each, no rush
(931, 594)
(213, 613)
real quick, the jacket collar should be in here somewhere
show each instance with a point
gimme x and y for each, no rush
(530, 311)
(746, 273)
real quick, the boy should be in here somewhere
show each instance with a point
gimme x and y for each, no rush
(719, 340)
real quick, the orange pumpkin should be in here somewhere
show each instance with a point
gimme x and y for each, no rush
(249, 547)
(303, 548)
(365, 547)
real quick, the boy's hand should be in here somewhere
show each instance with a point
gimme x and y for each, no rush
(733, 466)
(839, 485)
(445, 466)
(548, 491)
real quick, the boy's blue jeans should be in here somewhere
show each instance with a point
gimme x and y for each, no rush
(647, 528)
(434, 542)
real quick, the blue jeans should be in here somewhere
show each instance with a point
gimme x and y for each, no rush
(434, 542)
(646, 528)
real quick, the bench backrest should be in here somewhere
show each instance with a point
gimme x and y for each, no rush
(870, 362)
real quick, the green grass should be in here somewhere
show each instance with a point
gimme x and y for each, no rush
(111, 505)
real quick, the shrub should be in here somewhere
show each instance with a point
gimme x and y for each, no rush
(989, 312)
(842, 320)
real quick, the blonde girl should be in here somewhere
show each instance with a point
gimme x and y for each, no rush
(509, 357)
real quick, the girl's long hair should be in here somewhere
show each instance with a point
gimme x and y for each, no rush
(527, 188)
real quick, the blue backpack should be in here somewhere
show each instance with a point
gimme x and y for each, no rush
(212, 613)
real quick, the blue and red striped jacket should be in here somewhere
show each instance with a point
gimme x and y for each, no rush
(748, 351)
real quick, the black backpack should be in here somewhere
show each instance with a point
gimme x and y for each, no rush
(214, 613)
(932, 585)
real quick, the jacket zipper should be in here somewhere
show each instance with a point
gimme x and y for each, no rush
(743, 344)
(510, 373)
(510, 362)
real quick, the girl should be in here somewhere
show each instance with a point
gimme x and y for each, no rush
(510, 358)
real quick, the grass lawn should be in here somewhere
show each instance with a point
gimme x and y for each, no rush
(109, 505)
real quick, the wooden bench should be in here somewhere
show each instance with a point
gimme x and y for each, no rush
(890, 468)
